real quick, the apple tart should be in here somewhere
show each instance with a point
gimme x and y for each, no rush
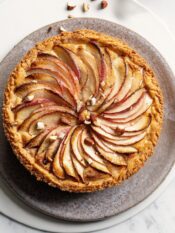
(82, 111)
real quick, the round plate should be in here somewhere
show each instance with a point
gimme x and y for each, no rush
(98, 205)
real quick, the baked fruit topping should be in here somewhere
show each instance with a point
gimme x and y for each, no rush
(82, 111)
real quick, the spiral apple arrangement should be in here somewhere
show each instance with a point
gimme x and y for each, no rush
(83, 106)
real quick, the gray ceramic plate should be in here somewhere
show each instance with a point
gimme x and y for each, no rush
(98, 205)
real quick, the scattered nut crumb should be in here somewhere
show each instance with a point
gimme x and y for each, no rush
(70, 16)
(40, 125)
(93, 101)
(102, 83)
(15, 123)
(62, 29)
(53, 137)
(29, 98)
(85, 7)
(49, 29)
(90, 161)
(70, 7)
(104, 4)
(34, 81)
(87, 122)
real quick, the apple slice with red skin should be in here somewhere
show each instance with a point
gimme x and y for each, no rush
(57, 165)
(41, 77)
(119, 139)
(64, 68)
(128, 103)
(66, 56)
(52, 120)
(55, 131)
(118, 78)
(76, 137)
(108, 154)
(120, 149)
(93, 159)
(100, 101)
(140, 108)
(24, 112)
(121, 133)
(38, 139)
(49, 95)
(50, 69)
(51, 150)
(38, 115)
(60, 90)
(67, 156)
(102, 64)
(74, 62)
(47, 69)
(84, 52)
(116, 88)
(141, 123)
(135, 125)
(62, 109)
(79, 168)
(138, 80)
(127, 141)
(30, 103)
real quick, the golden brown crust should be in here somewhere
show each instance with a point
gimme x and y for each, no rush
(146, 146)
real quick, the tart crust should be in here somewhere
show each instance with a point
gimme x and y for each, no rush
(134, 162)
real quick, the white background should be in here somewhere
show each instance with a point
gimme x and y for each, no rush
(159, 217)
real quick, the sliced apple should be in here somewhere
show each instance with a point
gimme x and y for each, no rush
(119, 72)
(45, 68)
(67, 156)
(99, 55)
(64, 68)
(100, 100)
(141, 107)
(56, 131)
(125, 136)
(137, 124)
(31, 103)
(91, 156)
(26, 88)
(37, 140)
(66, 56)
(120, 149)
(57, 165)
(25, 109)
(60, 90)
(137, 83)
(79, 168)
(127, 103)
(127, 141)
(108, 154)
(62, 109)
(51, 119)
(52, 149)
(49, 95)
(41, 77)
(75, 139)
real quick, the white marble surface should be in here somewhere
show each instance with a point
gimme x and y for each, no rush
(159, 217)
